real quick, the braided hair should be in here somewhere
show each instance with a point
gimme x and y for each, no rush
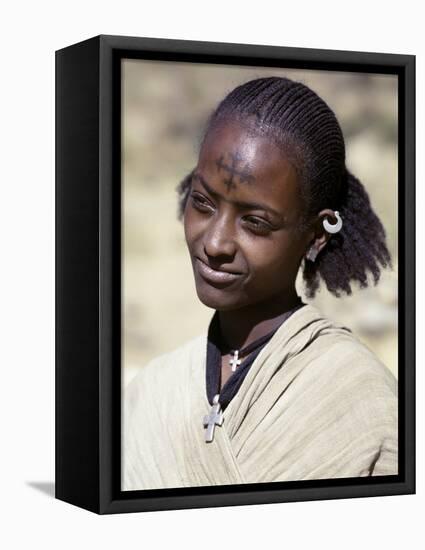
(306, 129)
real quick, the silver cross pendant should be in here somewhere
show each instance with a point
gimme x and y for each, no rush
(235, 361)
(215, 418)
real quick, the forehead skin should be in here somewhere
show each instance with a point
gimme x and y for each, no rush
(244, 167)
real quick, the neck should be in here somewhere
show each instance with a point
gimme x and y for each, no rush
(241, 327)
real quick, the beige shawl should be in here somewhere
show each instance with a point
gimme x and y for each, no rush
(315, 404)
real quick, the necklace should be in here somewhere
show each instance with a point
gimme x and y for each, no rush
(235, 361)
(219, 399)
(215, 418)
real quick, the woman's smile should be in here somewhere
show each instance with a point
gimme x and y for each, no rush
(215, 276)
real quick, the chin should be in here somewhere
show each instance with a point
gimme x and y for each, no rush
(219, 299)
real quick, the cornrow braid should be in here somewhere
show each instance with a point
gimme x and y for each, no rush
(306, 129)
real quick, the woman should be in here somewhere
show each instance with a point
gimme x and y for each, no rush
(274, 390)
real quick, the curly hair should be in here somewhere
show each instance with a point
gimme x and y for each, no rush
(306, 129)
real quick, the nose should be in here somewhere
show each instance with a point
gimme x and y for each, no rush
(219, 238)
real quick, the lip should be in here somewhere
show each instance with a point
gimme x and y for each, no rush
(214, 275)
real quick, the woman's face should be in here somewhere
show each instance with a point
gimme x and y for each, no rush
(241, 220)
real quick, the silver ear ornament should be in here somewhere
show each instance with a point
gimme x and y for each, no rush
(312, 253)
(333, 228)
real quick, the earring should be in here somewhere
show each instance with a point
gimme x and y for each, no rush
(312, 253)
(333, 228)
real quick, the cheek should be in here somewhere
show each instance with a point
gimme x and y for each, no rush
(192, 226)
(274, 261)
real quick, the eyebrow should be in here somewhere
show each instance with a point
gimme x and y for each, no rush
(241, 204)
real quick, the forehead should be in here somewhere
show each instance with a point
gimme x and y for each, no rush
(249, 166)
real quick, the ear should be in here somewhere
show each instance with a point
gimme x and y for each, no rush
(320, 235)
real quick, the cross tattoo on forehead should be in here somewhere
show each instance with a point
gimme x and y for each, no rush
(232, 171)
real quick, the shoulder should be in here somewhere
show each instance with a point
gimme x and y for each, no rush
(161, 370)
(349, 370)
(351, 359)
(338, 341)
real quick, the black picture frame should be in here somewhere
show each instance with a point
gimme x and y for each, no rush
(88, 274)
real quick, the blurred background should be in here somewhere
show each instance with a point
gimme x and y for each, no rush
(164, 109)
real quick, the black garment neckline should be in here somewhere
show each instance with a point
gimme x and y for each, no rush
(213, 363)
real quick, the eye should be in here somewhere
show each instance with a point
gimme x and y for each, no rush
(200, 203)
(258, 225)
